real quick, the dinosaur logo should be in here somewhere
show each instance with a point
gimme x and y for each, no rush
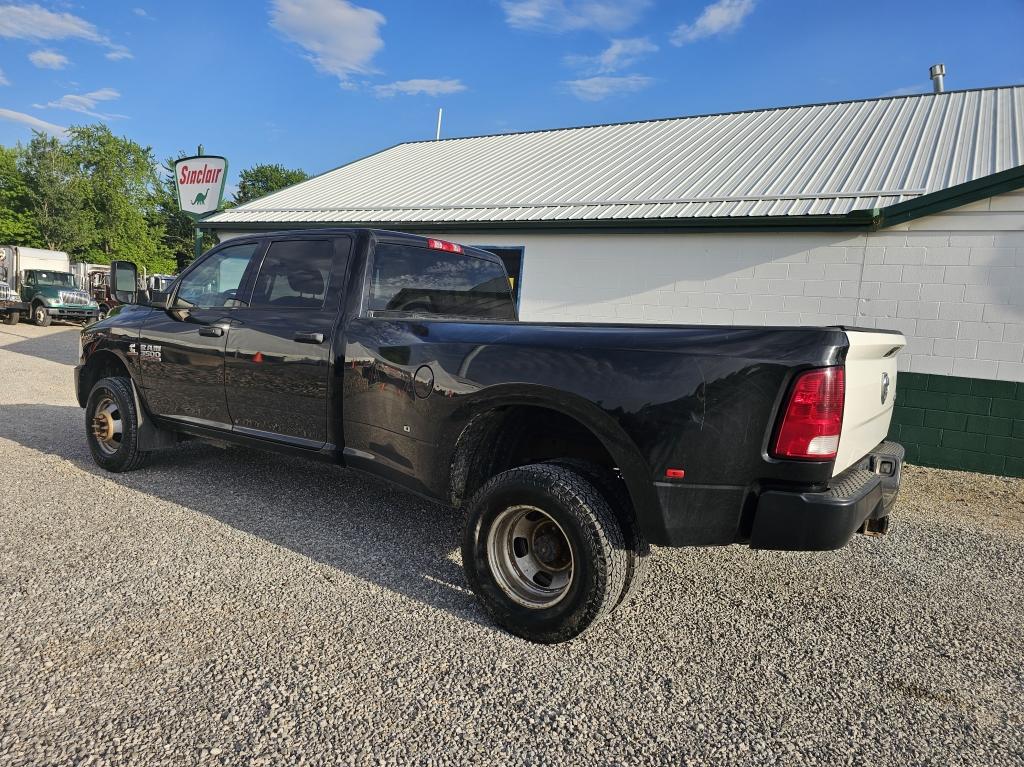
(200, 198)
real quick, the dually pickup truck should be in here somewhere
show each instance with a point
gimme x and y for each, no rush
(570, 448)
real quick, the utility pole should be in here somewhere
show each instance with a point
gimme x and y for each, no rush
(440, 111)
(199, 232)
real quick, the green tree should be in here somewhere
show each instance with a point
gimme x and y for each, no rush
(58, 194)
(260, 180)
(17, 223)
(121, 183)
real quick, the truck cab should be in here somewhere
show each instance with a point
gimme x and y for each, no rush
(54, 295)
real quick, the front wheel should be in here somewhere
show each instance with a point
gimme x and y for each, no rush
(544, 552)
(112, 426)
(40, 316)
(12, 318)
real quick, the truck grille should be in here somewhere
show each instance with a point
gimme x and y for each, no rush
(74, 298)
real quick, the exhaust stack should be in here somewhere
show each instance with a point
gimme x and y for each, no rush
(937, 72)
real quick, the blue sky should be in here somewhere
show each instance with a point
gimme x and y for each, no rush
(317, 83)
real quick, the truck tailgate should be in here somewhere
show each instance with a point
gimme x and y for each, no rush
(870, 392)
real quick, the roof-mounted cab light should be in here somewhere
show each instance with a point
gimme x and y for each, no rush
(451, 247)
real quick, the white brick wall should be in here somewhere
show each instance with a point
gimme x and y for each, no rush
(953, 282)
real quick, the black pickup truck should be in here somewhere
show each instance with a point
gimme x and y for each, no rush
(570, 447)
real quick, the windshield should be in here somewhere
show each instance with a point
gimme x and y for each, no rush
(58, 279)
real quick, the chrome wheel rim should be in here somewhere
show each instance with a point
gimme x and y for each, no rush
(40, 314)
(530, 557)
(107, 426)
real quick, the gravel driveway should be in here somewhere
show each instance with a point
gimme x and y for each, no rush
(231, 607)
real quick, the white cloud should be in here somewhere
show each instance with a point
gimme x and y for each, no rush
(619, 55)
(3, 79)
(909, 90)
(420, 87)
(118, 53)
(716, 19)
(565, 15)
(341, 38)
(598, 88)
(85, 103)
(33, 22)
(32, 122)
(140, 12)
(48, 59)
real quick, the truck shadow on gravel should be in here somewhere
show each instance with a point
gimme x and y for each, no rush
(53, 347)
(332, 515)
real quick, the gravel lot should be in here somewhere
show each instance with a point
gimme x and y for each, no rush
(231, 607)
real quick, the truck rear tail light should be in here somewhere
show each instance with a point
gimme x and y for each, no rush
(451, 247)
(813, 418)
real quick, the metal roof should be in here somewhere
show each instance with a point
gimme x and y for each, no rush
(818, 160)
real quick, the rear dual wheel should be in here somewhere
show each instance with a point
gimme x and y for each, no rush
(545, 553)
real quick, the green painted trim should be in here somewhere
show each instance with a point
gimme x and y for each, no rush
(853, 221)
(970, 424)
(954, 197)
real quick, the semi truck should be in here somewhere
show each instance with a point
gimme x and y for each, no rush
(45, 285)
(569, 448)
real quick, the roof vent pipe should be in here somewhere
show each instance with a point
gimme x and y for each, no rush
(937, 72)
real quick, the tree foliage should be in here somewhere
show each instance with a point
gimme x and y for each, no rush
(102, 197)
(17, 224)
(58, 194)
(260, 180)
(120, 181)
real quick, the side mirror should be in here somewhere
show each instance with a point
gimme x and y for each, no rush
(124, 276)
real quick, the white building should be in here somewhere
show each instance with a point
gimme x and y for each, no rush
(904, 213)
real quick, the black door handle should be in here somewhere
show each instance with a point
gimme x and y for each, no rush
(211, 330)
(309, 338)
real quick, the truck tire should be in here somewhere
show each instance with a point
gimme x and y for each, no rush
(12, 318)
(40, 316)
(112, 426)
(544, 552)
(104, 311)
(614, 490)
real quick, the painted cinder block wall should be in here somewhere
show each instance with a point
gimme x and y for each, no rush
(953, 283)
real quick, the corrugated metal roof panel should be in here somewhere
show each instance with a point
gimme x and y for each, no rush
(819, 159)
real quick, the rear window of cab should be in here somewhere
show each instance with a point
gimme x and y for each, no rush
(409, 280)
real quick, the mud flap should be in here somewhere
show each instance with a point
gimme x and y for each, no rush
(151, 437)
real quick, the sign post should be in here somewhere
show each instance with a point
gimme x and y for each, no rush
(200, 181)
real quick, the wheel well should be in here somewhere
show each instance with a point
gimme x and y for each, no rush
(101, 365)
(517, 435)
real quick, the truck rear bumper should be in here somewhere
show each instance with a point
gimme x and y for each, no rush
(859, 498)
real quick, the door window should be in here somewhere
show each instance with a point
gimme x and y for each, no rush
(217, 280)
(294, 275)
(415, 280)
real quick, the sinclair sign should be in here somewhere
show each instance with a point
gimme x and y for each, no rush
(200, 184)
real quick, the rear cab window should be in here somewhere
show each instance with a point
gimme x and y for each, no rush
(295, 274)
(406, 280)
